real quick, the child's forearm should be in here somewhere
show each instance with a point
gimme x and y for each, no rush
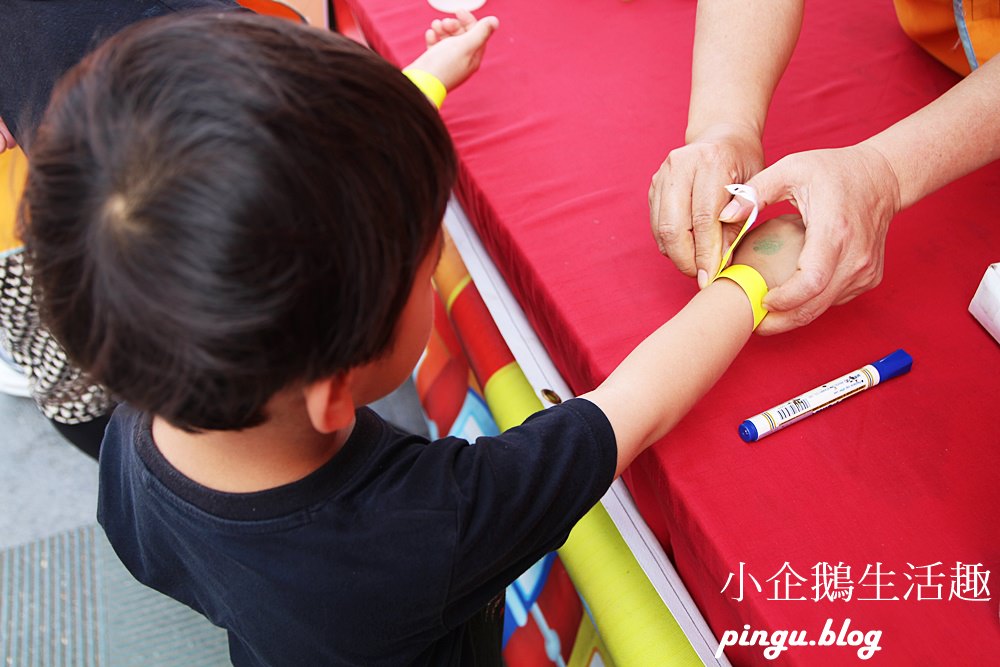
(659, 381)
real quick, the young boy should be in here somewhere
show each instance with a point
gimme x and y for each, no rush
(39, 42)
(233, 224)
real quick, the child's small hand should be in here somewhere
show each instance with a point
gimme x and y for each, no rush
(455, 47)
(773, 248)
(6, 138)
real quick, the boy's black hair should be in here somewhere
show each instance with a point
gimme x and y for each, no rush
(222, 205)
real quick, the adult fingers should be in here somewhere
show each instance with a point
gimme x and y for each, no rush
(773, 184)
(778, 322)
(736, 211)
(670, 215)
(801, 299)
(730, 231)
(856, 284)
(707, 200)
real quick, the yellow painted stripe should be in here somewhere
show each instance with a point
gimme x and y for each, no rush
(635, 625)
(465, 280)
(629, 614)
(510, 396)
(587, 643)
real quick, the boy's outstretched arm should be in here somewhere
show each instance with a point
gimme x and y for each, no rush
(455, 47)
(662, 378)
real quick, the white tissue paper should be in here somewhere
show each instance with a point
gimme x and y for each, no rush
(452, 6)
(985, 305)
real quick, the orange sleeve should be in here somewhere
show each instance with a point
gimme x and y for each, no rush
(953, 34)
(13, 170)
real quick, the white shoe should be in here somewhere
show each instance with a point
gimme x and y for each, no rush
(12, 380)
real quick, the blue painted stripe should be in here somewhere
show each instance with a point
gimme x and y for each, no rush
(963, 33)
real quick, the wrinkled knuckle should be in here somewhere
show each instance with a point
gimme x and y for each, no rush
(702, 219)
(659, 177)
(867, 271)
(668, 234)
(803, 316)
(814, 282)
(708, 151)
(684, 265)
(674, 154)
(875, 277)
(769, 327)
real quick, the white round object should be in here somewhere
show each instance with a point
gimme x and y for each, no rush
(452, 6)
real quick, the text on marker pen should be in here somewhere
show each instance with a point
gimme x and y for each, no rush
(811, 402)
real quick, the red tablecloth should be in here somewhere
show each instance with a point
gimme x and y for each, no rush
(574, 108)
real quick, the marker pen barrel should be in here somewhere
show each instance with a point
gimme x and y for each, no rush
(811, 402)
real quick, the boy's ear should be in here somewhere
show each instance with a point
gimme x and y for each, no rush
(329, 402)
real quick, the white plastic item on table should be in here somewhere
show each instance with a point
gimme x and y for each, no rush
(452, 6)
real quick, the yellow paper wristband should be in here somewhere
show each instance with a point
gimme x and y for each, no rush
(428, 84)
(752, 283)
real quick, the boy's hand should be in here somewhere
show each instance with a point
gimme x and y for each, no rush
(663, 377)
(773, 249)
(6, 138)
(455, 47)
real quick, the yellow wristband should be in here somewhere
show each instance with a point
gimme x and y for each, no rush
(752, 283)
(428, 84)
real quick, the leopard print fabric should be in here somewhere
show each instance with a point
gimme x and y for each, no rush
(63, 392)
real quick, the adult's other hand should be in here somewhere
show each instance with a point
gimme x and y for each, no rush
(688, 192)
(847, 197)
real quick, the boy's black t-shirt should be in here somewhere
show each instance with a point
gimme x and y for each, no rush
(395, 552)
(42, 39)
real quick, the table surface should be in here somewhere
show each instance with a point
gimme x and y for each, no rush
(575, 106)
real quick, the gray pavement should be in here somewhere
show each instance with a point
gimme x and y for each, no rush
(48, 486)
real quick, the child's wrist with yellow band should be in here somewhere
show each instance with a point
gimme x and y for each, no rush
(428, 84)
(752, 284)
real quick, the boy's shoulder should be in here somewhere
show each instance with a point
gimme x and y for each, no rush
(388, 466)
(442, 526)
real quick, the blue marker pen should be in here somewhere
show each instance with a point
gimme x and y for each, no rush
(824, 396)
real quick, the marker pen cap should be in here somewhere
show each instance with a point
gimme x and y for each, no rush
(748, 432)
(897, 363)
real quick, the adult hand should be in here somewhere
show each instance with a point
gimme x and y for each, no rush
(6, 138)
(847, 197)
(688, 192)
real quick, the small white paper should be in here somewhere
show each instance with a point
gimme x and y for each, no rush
(452, 6)
(748, 193)
(985, 305)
